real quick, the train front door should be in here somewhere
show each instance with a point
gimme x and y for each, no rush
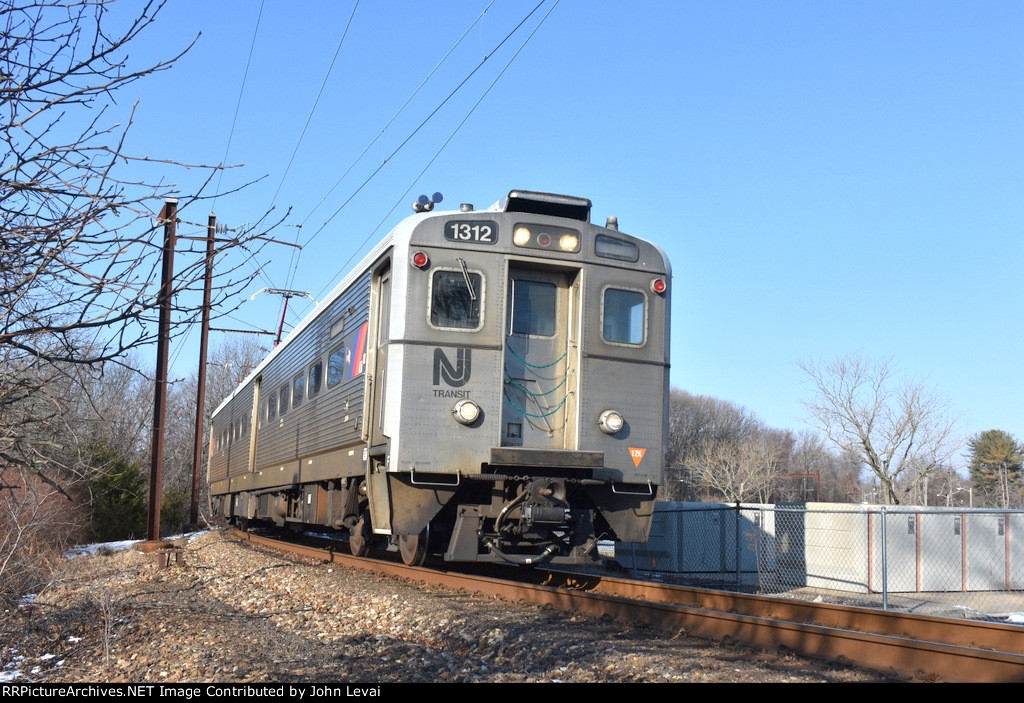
(540, 361)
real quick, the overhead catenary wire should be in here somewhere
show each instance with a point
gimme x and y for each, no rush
(404, 195)
(295, 258)
(316, 102)
(296, 314)
(292, 267)
(423, 123)
(398, 112)
(238, 103)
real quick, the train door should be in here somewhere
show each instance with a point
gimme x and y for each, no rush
(380, 360)
(254, 424)
(538, 408)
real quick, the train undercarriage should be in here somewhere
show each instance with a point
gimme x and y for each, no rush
(522, 517)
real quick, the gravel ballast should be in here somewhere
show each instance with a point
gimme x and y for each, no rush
(234, 614)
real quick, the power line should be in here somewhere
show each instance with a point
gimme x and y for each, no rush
(404, 195)
(423, 123)
(293, 270)
(238, 104)
(399, 112)
(315, 103)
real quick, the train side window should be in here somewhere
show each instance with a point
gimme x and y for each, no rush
(623, 316)
(455, 300)
(534, 307)
(316, 374)
(283, 404)
(271, 408)
(336, 366)
(298, 390)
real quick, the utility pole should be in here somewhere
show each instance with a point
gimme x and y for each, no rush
(197, 454)
(169, 217)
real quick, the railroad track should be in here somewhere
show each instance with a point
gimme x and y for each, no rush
(928, 648)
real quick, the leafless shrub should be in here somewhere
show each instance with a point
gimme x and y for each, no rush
(36, 526)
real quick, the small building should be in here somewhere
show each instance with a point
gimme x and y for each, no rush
(857, 548)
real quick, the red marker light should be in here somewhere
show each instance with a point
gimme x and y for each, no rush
(420, 260)
(658, 285)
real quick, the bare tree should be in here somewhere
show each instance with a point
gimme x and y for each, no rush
(742, 469)
(811, 470)
(230, 360)
(80, 252)
(898, 429)
(80, 257)
(694, 422)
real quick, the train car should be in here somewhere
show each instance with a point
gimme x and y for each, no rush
(487, 385)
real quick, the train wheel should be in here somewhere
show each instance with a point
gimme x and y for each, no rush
(413, 548)
(359, 537)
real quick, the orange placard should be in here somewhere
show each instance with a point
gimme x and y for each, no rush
(637, 454)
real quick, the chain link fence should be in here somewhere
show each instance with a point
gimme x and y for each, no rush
(953, 562)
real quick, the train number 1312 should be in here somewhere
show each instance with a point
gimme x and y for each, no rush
(477, 231)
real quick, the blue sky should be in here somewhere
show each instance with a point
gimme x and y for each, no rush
(826, 177)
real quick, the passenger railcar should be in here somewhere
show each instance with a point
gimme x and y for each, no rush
(487, 385)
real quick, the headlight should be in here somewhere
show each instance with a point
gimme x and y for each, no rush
(466, 412)
(535, 236)
(610, 422)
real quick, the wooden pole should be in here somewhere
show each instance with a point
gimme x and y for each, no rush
(169, 216)
(197, 456)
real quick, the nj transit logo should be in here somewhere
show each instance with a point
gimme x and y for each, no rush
(453, 375)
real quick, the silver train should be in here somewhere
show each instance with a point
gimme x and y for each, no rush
(487, 385)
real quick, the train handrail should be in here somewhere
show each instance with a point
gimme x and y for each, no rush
(412, 479)
(650, 490)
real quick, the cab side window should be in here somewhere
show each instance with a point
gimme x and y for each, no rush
(624, 316)
(455, 299)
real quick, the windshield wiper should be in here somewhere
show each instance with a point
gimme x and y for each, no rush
(465, 276)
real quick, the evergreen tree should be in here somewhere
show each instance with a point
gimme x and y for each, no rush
(119, 496)
(996, 459)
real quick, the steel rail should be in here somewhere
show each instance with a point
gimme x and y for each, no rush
(886, 642)
(979, 634)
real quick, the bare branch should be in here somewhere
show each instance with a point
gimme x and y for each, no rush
(899, 430)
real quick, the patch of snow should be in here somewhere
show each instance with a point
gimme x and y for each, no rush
(84, 549)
